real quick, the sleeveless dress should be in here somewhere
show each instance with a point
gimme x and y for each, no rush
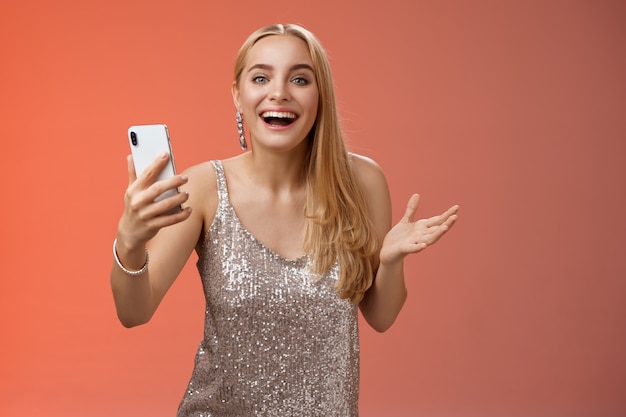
(277, 341)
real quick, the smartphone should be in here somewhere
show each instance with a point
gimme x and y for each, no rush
(147, 142)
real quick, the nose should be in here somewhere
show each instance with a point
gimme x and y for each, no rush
(279, 91)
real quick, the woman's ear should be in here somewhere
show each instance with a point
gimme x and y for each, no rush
(235, 92)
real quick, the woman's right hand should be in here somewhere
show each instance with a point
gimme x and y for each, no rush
(143, 217)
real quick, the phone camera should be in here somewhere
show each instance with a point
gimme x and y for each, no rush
(133, 138)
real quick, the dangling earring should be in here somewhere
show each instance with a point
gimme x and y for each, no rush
(242, 135)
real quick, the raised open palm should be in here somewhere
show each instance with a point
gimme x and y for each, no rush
(410, 236)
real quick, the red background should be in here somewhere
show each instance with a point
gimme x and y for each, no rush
(513, 109)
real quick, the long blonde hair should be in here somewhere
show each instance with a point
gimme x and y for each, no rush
(338, 227)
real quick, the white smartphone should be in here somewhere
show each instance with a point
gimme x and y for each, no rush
(147, 142)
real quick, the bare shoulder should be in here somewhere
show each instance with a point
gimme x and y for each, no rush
(198, 174)
(202, 180)
(202, 189)
(369, 174)
(372, 181)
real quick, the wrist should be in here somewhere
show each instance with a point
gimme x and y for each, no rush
(134, 262)
(127, 242)
(391, 259)
(392, 265)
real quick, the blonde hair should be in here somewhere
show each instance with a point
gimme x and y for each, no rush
(338, 226)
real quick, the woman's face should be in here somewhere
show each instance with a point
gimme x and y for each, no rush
(277, 93)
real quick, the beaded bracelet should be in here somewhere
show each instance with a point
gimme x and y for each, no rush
(143, 269)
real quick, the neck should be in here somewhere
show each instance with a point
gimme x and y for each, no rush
(281, 172)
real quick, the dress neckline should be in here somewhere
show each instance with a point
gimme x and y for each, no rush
(223, 186)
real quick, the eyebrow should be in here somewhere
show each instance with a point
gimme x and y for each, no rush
(293, 68)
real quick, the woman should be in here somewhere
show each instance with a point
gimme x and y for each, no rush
(292, 237)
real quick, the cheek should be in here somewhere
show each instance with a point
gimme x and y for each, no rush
(249, 97)
(312, 104)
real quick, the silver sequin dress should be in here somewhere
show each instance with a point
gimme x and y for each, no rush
(277, 341)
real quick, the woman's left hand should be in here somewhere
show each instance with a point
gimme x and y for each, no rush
(409, 236)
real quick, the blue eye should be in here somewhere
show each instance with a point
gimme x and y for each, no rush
(259, 79)
(300, 81)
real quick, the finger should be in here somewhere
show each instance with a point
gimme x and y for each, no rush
(132, 175)
(152, 171)
(168, 184)
(407, 249)
(411, 208)
(415, 247)
(437, 232)
(147, 210)
(162, 221)
(442, 218)
(169, 205)
(143, 201)
(450, 221)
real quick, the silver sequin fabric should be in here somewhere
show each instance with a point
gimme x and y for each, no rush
(277, 341)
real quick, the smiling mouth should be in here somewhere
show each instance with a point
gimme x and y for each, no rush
(278, 118)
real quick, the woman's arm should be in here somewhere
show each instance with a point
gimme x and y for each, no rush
(384, 300)
(172, 239)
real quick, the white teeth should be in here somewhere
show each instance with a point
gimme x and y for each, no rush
(278, 115)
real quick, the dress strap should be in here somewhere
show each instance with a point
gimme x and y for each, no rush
(222, 189)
